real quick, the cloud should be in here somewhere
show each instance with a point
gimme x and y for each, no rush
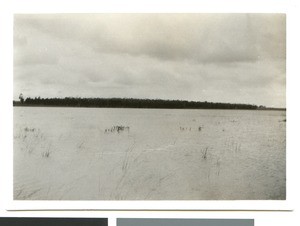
(199, 37)
(213, 57)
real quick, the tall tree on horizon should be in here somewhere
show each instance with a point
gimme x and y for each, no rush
(21, 97)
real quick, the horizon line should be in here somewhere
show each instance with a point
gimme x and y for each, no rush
(134, 98)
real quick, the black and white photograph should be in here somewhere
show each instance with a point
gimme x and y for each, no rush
(158, 106)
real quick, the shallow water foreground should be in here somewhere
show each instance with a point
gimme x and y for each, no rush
(148, 154)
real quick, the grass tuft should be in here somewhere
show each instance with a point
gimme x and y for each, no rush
(117, 129)
(29, 129)
(46, 154)
(204, 153)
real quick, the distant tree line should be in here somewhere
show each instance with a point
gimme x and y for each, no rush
(129, 103)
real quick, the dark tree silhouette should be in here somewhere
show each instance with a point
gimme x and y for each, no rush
(131, 103)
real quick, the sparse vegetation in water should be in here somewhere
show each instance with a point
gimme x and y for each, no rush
(46, 154)
(81, 144)
(33, 141)
(117, 129)
(29, 129)
(155, 160)
(218, 166)
(126, 165)
(204, 153)
(237, 147)
(186, 128)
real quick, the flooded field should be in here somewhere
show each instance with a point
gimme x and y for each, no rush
(148, 154)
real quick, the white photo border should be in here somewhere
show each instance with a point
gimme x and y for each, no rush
(133, 6)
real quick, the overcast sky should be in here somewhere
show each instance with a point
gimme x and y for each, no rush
(236, 58)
